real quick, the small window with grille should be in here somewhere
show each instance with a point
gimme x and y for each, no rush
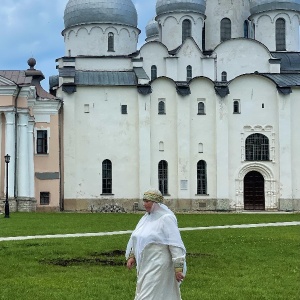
(163, 177)
(161, 106)
(44, 198)
(236, 107)
(201, 178)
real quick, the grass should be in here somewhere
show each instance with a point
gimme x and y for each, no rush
(254, 263)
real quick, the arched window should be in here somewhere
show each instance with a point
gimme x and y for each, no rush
(201, 108)
(225, 29)
(224, 76)
(201, 178)
(186, 29)
(111, 42)
(106, 177)
(163, 177)
(161, 107)
(280, 35)
(257, 147)
(189, 73)
(236, 107)
(153, 72)
(246, 29)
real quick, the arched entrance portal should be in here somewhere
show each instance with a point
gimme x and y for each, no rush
(254, 191)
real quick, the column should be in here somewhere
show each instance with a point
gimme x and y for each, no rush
(10, 150)
(22, 172)
(31, 158)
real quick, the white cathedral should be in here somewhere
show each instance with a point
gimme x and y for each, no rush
(206, 110)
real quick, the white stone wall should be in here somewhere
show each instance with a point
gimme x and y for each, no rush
(265, 25)
(103, 133)
(236, 10)
(171, 28)
(93, 40)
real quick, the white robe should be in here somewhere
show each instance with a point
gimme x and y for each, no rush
(156, 274)
(157, 246)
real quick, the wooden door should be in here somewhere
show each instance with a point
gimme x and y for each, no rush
(254, 191)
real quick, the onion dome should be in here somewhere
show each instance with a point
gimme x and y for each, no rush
(152, 29)
(121, 12)
(171, 6)
(258, 6)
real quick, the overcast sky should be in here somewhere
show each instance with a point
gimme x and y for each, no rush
(32, 28)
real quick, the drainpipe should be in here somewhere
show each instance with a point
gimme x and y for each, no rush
(61, 178)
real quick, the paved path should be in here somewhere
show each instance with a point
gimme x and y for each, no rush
(56, 236)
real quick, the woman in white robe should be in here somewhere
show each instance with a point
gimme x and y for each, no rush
(157, 250)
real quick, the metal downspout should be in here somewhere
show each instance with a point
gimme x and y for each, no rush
(61, 177)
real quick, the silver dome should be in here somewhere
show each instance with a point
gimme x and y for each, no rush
(258, 6)
(169, 6)
(100, 11)
(152, 28)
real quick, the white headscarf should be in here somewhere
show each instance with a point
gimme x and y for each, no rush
(157, 227)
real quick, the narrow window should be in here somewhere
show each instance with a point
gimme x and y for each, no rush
(124, 109)
(246, 29)
(224, 76)
(203, 37)
(236, 107)
(201, 178)
(189, 73)
(163, 177)
(257, 147)
(153, 72)
(280, 35)
(225, 29)
(111, 42)
(200, 148)
(161, 107)
(201, 108)
(44, 198)
(186, 29)
(161, 146)
(106, 177)
(42, 142)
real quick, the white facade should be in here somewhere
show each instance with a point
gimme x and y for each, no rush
(228, 105)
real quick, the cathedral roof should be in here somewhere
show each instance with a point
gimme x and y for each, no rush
(258, 6)
(169, 6)
(121, 12)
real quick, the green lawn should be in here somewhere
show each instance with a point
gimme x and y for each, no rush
(256, 263)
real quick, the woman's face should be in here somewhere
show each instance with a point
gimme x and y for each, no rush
(148, 205)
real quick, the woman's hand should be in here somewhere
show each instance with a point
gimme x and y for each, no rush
(130, 263)
(179, 276)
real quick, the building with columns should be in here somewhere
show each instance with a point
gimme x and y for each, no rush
(206, 110)
(30, 136)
